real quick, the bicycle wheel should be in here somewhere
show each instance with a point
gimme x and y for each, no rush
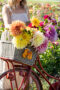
(33, 81)
(36, 83)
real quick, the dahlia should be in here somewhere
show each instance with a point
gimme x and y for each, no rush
(42, 48)
(50, 33)
(41, 24)
(17, 27)
(46, 16)
(30, 25)
(22, 40)
(35, 22)
(38, 39)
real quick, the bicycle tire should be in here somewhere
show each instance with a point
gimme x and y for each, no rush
(37, 80)
(33, 75)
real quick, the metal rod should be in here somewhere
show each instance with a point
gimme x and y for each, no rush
(21, 83)
(45, 71)
(26, 82)
(10, 80)
(15, 76)
(43, 76)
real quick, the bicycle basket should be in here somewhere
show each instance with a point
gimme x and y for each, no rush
(9, 51)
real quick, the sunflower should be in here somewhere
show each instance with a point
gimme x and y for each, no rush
(17, 27)
(35, 22)
(22, 40)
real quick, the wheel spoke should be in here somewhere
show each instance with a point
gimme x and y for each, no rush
(30, 83)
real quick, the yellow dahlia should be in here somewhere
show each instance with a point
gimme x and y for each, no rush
(22, 40)
(35, 22)
(17, 27)
(38, 39)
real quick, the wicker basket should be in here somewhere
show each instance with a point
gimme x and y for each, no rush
(9, 51)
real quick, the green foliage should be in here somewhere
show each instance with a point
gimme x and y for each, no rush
(1, 0)
(1, 28)
(50, 60)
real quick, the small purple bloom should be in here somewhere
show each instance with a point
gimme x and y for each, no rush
(58, 28)
(54, 22)
(58, 19)
(42, 48)
(49, 18)
(51, 32)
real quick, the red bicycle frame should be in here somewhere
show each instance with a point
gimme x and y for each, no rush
(29, 68)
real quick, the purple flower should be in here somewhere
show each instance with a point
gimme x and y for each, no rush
(58, 28)
(42, 48)
(54, 22)
(51, 32)
(58, 19)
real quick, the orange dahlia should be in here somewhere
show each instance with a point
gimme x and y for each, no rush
(17, 27)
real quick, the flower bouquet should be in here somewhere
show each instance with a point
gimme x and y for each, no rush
(32, 39)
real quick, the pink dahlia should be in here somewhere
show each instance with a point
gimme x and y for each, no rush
(41, 24)
(42, 48)
(30, 25)
(55, 43)
(46, 17)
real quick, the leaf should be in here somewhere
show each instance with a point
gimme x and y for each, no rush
(2, 28)
(1, 23)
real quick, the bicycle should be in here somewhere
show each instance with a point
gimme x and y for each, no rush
(29, 76)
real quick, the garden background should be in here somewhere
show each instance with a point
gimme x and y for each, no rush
(51, 58)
